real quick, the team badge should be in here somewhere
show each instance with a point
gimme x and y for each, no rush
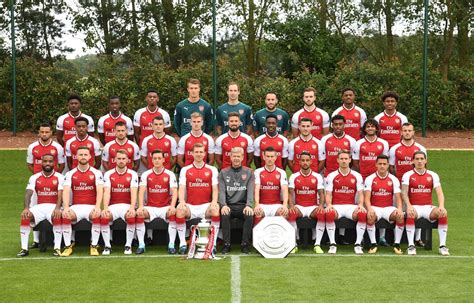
(356, 114)
(89, 145)
(428, 178)
(166, 144)
(241, 111)
(353, 180)
(204, 143)
(129, 149)
(297, 146)
(379, 147)
(389, 183)
(313, 181)
(128, 179)
(318, 118)
(55, 182)
(244, 177)
(397, 120)
(242, 144)
(279, 143)
(36, 151)
(227, 179)
(206, 174)
(165, 179)
(53, 151)
(279, 117)
(201, 108)
(278, 176)
(346, 144)
(91, 177)
(314, 146)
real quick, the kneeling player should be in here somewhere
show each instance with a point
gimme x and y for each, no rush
(417, 191)
(198, 191)
(120, 198)
(380, 190)
(159, 185)
(48, 186)
(307, 198)
(344, 188)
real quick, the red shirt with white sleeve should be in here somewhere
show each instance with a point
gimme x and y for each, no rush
(355, 118)
(278, 142)
(186, 143)
(420, 186)
(344, 188)
(74, 143)
(107, 123)
(143, 118)
(166, 144)
(120, 185)
(271, 183)
(299, 145)
(158, 187)
(391, 126)
(332, 145)
(367, 152)
(382, 189)
(306, 188)
(84, 185)
(401, 156)
(111, 148)
(226, 142)
(46, 187)
(319, 117)
(36, 150)
(67, 125)
(198, 182)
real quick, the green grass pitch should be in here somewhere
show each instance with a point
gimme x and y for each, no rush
(302, 277)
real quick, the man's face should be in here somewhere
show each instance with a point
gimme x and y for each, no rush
(81, 128)
(370, 130)
(419, 161)
(83, 156)
(74, 105)
(45, 133)
(158, 160)
(305, 162)
(271, 101)
(152, 99)
(271, 125)
(120, 132)
(158, 126)
(343, 160)
(236, 159)
(196, 123)
(121, 160)
(382, 166)
(408, 132)
(390, 103)
(114, 105)
(198, 154)
(305, 128)
(234, 123)
(269, 157)
(233, 92)
(309, 98)
(348, 97)
(193, 90)
(47, 163)
(338, 126)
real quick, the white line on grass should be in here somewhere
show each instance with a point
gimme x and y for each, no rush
(386, 256)
(235, 279)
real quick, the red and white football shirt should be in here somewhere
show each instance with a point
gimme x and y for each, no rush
(391, 126)
(111, 148)
(46, 187)
(84, 185)
(278, 142)
(401, 156)
(186, 143)
(166, 144)
(74, 143)
(332, 145)
(420, 186)
(306, 188)
(319, 117)
(120, 185)
(299, 145)
(198, 182)
(143, 118)
(382, 189)
(226, 142)
(107, 123)
(66, 124)
(36, 150)
(355, 118)
(344, 188)
(158, 187)
(271, 183)
(367, 152)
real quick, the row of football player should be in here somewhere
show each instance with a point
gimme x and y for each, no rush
(234, 192)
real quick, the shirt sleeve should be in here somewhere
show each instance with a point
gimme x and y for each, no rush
(100, 125)
(60, 181)
(96, 148)
(391, 156)
(173, 182)
(257, 177)
(107, 180)
(326, 120)
(286, 122)
(291, 150)
(144, 149)
(90, 126)
(368, 184)
(143, 179)
(250, 189)
(283, 178)
(329, 182)
(396, 184)
(209, 120)
(285, 148)
(385, 148)
(222, 190)
(31, 183)
(215, 174)
(182, 176)
(218, 146)
(321, 151)
(291, 181)
(360, 182)
(105, 153)
(250, 147)
(134, 181)
(29, 155)
(136, 152)
(436, 181)
(356, 151)
(61, 156)
(219, 120)
(210, 145)
(99, 179)
(67, 178)
(294, 120)
(177, 120)
(248, 116)
(256, 145)
(166, 118)
(174, 146)
(181, 144)
(406, 178)
(136, 119)
(363, 117)
(320, 181)
(68, 149)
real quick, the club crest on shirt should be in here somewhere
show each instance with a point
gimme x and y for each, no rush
(318, 118)
(227, 179)
(397, 120)
(278, 176)
(279, 143)
(91, 177)
(55, 182)
(389, 183)
(53, 151)
(166, 144)
(313, 181)
(201, 108)
(353, 180)
(241, 111)
(128, 179)
(356, 114)
(129, 149)
(244, 177)
(165, 179)
(242, 144)
(379, 147)
(428, 178)
(279, 117)
(206, 174)
(346, 144)
(314, 146)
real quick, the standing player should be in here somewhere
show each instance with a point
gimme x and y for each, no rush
(417, 192)
(271, 138)
(82, 138)
(344, 187)
(306, 142)
(233, 105)
(233, 138)
(121, 142)
(192, 104)
(160, 187)
(48, 186)
(198, 193)
(159, 140)
(355, 116)
(307, 198)
(380, 190)
(44, 145)
(236, 189)
(196, 135)
(142, 120)
(120, 199)
(368, 149)
(319, 117)
(271, 188)
(106, 124)
(65, 126)
(390, 120)
(84, 184)
(260, 119)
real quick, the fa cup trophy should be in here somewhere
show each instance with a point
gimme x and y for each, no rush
(202, 241)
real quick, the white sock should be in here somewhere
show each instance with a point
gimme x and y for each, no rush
(25, 230)
(410, 229)
(181, 228)
(140, 228)
(418, 234)
(172, 233)
(105, 231)
(371, 232)
(216, 225)
(67, 231)
(319, 232)
(58, 233)
(398, 233)
(331, 229)
(36, 236)
(360, 228)
(293, 223)
(95, 231)
(130, 233)
(442, 232)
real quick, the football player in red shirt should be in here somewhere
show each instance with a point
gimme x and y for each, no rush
(121, 142)
(106, 124)
(390, 120)
(320, 118)
(355, 116)
(65, 127)
(44, 145)
(271, 138)
(159, 140)
(82, 138)
(305, 142)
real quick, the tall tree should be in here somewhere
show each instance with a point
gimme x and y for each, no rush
(464, 16)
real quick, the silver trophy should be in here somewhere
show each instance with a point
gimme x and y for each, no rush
(274, 237)
(202, 241)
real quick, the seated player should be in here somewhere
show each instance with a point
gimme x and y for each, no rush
(120, 199)
(159, 186)
(198, 190)
(84, 184)
(344, 187)
(417, 190)
(381, 189)
(307, 198)
(48, 186)
(271, 188)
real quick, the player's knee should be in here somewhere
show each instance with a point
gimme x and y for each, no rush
(104, 221)
(331, 216)
(130, 220)
(292, 216)
(361, 217)
(320, 216)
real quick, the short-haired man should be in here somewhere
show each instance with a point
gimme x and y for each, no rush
(233, 105)
(121, 142)
(271, 138)
(236, 189)
(159, 140)
(417, 193)
(106, 123)
(44, 145)
(143, 118)
(48, 186)
(82, 198)
(355, 116)
(65, 125)
(198, 193)
(307, 198)
(390, 120)
(319, 117)
(233, 138)
(381, 189)
(120, 199)
(305, 142)
(160, 187)
(260, 119)
(192, 104)
(345, 199)
(82, 138)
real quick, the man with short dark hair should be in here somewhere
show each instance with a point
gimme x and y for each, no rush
(82, 138)
(44, 145)
(159, 140)
(354, 116)
(271, 138)
(305, 142)
(390, 120)
(319, 117)
(65, 126)
(106, 124)
(233, 105)
(260, 119)
(121, 142)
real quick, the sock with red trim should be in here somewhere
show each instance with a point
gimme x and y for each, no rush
(442, 230)
(57, 232)
(130, 231)
(95, 231)
(24, 233)
(360, 226)
(140, 228)
(172, 230)
(105, 231)
(410, 228)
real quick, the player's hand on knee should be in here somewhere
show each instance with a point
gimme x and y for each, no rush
(181, 206)
(214, 206)
(140, 212)
(320, 209)
(26, 214)
(225, 210)
(360, 209)
(105, 213)
(371, 215)
(398, 214)
(258, 211)
(248, 211)
(130, 213)
(57, 213)
(172, 211)
(442, 212)
(283, 211)
(411, 212)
